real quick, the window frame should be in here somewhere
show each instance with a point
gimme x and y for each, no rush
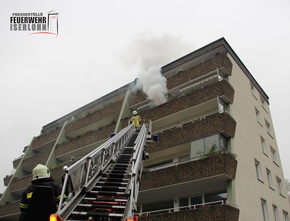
(274, 155)
(285, 216)
(279, 185)
(269, 178)
(276, 213)
(258, 169)
(265, 212)
(264, 146)
(258, 116)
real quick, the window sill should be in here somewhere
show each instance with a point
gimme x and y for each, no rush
(271, 135)
(260, 180)
(282, 195)
(276, 163)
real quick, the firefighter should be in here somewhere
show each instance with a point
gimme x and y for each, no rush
(136, 119)
(40, 177)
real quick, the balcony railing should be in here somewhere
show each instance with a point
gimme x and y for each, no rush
(205, 212)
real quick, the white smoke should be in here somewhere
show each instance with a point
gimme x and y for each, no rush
(153, 83)
(145, 55)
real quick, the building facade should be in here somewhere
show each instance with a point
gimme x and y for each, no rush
(216, 158)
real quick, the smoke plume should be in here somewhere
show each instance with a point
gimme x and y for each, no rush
(153, 85)
(146, 55)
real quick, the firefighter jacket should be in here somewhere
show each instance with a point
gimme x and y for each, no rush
(28, 192)
(136, 120)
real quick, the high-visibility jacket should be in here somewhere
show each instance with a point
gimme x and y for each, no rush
(136, 120)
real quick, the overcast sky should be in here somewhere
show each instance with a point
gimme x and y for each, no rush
(103, 45)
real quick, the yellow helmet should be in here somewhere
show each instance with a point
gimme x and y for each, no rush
(135, 112)
(40, 171)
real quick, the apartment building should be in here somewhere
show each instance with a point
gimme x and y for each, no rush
(216, 158)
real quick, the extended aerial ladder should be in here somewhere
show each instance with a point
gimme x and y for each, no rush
(104, 184)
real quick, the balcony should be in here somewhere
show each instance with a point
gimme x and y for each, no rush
(203, 175)
(81, 145)
(97, 119)
(57, 174)
(18, 185)
(220, 62)
(202, 101)
(43, 147)
(222, 212)
(223, 164)
(7, 180)
(39, 158)
(16, 162)
(10, 211)
(219, 122)
(44, 139)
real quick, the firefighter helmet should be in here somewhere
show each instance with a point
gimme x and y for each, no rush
(40, 171)
(135, 112)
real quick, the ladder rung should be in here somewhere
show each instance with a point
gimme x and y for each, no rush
(114, 178)
(105, 199)
(109, 193)
(112, 183)
(96, 214)
(110, 187)
(102, 206)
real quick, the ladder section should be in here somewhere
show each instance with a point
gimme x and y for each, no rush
(104, 185)
(108, 198)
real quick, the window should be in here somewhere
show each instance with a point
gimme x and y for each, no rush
(264, 210)
(161, 205)
(216, 198)
(264, 104)
(258, 170)
(221, 105)
(254, 90)
(196, 200)
(285, 215)
(269, 127)
(269, 177)
(203, 146)
(274, 155)
(279, 185)
(264, 147)
(183, 203)
(258, 116)
(275, 211)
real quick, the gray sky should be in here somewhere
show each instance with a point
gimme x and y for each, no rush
(103, 45)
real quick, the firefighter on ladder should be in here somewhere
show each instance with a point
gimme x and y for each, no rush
(136, 119)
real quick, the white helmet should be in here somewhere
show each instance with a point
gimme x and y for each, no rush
(135, 112)
(40, 171)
